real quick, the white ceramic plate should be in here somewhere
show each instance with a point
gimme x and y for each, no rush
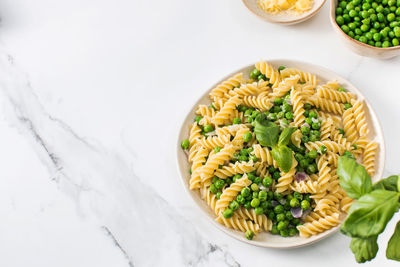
(266, 239)
(284, 17)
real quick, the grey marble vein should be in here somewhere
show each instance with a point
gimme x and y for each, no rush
(103, 184)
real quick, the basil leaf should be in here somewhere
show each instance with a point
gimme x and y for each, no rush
(353, 177)
(393, 249)
(267, 132)
(389, 183)
(284, 138)
(370, 214)
(283, 156)
(364, 249)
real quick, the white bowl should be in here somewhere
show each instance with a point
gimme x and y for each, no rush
(284, 17)
(264, 239)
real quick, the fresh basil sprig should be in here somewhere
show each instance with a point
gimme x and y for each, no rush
(369, 216)
(267, 134)
(393, 249)
(353, 177)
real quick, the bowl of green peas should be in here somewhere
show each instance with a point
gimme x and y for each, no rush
(368, 27)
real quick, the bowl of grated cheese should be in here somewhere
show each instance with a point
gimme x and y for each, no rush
(284, 11)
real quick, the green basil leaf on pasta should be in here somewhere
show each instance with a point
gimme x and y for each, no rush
(364, 249)
(369, 215)
(393, 249)
(390, 183)
(353, 177)
(267, 132)
(284, 138)
(283, 156)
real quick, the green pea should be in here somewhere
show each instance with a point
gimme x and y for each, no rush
(373, 17)
(245, 192)
(381, 17)
(322, 149)
(377, 36)
(305, 130)
(197, 119)
(378, 44)
(345, 28)
(262, 196)
(308, 121)
(305, 204)
(353, 13)
(278, 101)
(254, 74)
(274, 230)
(311, 169)
(208, 128)
(247, 137)
(243, 158)
(280, 115)
(234, 205)
(240, 199)
(296, 221)
(395, 42)
(227, 213)
(313, 154)
(257, 180)
(213, 189)
(349, 6)
(248, 112)
(217, 149)
(277, 196)
(261, 77)
(282, 225)
(219, 184)
(304, 163)
(298, 157)
(277, 109)
(218, 195)
(279, 209)
(185, 144)
(271, 169)
(391, 17)
(254, 187)
(394, 24)
(265, 205)
(292, 231)
(289, 115)
(298, 195)
(316, 125)
(259, 210)
(289, 215)
(276, 175)
(281, 68)
(284, 233)
(280, 217)
(249, 234)
(236, 121)
(339, 11)
(267, 181)
(247, 205)
(255, 202)
(270, 195)
(294, 202)
(236, 177)
(272, 117)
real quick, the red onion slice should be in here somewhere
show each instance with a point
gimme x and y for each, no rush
(305, 124)
(274, 203)
(282, 201)
(301, 176)
(305, 214)
(296, 212)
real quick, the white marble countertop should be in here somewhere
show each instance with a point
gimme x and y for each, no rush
(92, 94)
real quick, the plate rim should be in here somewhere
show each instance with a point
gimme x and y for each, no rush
(234, 233)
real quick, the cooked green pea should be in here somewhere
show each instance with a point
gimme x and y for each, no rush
(345, 28)
(213, 189)
(280, 115)
(313, 154)
(305, 130)
(227, 213)
(304, 163)
(289, 216)
(311, 169)
(254, 187)
(298, 157)
(267, 181)
(292, 231)
(305, 204)
(254, 74)
(282, 225)
(276, 175)
(347, 105)
(245, 192)
(272, 116)
(277, 196)
(236, 121)
(298, 195)
(249, 234)
(214, 179)
(240, 199)
(255, 202)
(261, 77)
(279, 209)
(217, 149)
(218, 195)
(316, 125)
(289, 115)
(322, 149)
(219, 184)
(395, 42)
(274, 230)
(185, 144)
(278, 101)
(208, 128)
(296, 221)
(262, 196)
(247, 205)
(243, 158)
(280, 217)
(270, 195)
(247, 137)
(259, 210)
(294, 202)
(236, 177)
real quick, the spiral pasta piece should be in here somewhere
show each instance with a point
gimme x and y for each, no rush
(349, 125)
(319, 226)
(326, 105)
(359, 117)
(340, 139)
(212, 142)
(307, 89)
(296, 138)
(207, 171)
(209, 197)
(334, 95)
(248, 89)
(198, 160)
(261, 103)
(326, 129)
(263, 154)
(237, 168)
(238, 223)
(227, 110)
(269, 72)
(324, 173)
(230, 129)
(346, 203)
(204, 110)
(298, 108)
(250, 214)
(285, 86)
(330, 145)
(305, 187)
(369, 157)
(230, 193)
(223, 88)
(304, 76)
(286, 179)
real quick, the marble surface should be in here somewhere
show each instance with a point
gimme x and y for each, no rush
(92, 94)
